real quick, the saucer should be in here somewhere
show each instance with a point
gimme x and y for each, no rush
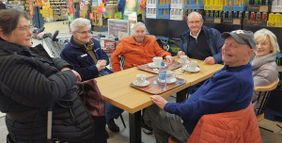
(181, 62)
(171, 81)
(152, 65)
(197, 69)
(145, 83)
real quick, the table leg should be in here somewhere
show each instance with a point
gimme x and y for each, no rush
(181, 95)
(135, 127)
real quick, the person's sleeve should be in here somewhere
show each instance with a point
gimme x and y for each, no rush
(265, 76)
(219, 41)
(115, 57)
(86, 73)
(60, 63)
(182, 43)
(27, 85)
(219, 97)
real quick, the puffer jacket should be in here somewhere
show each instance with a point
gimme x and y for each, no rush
(229, 127)
(214, 41)
(30, 86)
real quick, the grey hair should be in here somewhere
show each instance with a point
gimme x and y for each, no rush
(195, 13)
(139, 24)
(263, 35)
(79, 23)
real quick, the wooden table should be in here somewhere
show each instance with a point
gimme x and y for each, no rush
(116, 90)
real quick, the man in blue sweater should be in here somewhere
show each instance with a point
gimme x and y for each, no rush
(230, 89)
(201, 42)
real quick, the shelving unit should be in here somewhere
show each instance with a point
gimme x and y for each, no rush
(60, 9)
(17, 4)
(275, 16)
(227, 15)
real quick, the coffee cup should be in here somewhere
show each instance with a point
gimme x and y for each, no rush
(183, 59)
(170, 76)
(191, 66)
(157, 61)
(140, 78)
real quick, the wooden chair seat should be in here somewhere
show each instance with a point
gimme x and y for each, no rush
(263, 93)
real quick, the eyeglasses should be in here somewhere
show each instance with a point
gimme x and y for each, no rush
(24, 28)
(194, 22)
(84, 32)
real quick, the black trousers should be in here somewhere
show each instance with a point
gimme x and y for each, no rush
(100, 132)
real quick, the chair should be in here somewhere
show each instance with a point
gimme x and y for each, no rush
(263, 94)
(121, 66)
(121, 61)
(121, 118)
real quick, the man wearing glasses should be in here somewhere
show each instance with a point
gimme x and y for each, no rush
(201, 42)
(84, 53)
(76, 51)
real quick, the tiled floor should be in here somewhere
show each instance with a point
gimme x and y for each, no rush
(123, 135)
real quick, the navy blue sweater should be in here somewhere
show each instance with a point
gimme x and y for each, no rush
(213, 39)
(230, 89)
(77, 56)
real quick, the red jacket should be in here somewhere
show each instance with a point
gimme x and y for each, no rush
(136, 53)
(229, 127)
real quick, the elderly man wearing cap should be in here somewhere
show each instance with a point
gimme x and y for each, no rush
(228, 90)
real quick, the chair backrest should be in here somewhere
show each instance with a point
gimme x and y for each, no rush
(263, 95)
(121, 61)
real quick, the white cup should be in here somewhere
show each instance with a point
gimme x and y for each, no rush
(191, 66)
(140, 78)
(157, 61)
(183, 59)
(170, 76)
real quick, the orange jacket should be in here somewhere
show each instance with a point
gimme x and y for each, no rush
(229, 127)
(136, 53)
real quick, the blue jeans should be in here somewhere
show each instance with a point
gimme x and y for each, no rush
(112, 112)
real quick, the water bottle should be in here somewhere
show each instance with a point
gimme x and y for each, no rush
(162, 76)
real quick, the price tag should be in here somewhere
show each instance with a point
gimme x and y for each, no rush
(236, 21)
(217, 20)
(263, 8)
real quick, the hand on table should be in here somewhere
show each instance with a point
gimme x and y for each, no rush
(209, 60)
(180, 53)
(158, 100)
(168, 59)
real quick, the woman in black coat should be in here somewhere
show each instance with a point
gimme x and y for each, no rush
(30, 85)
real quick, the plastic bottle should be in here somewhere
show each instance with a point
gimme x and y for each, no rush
(162, 76)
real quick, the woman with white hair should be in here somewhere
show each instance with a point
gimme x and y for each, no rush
(264, 65)
(137, 49)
